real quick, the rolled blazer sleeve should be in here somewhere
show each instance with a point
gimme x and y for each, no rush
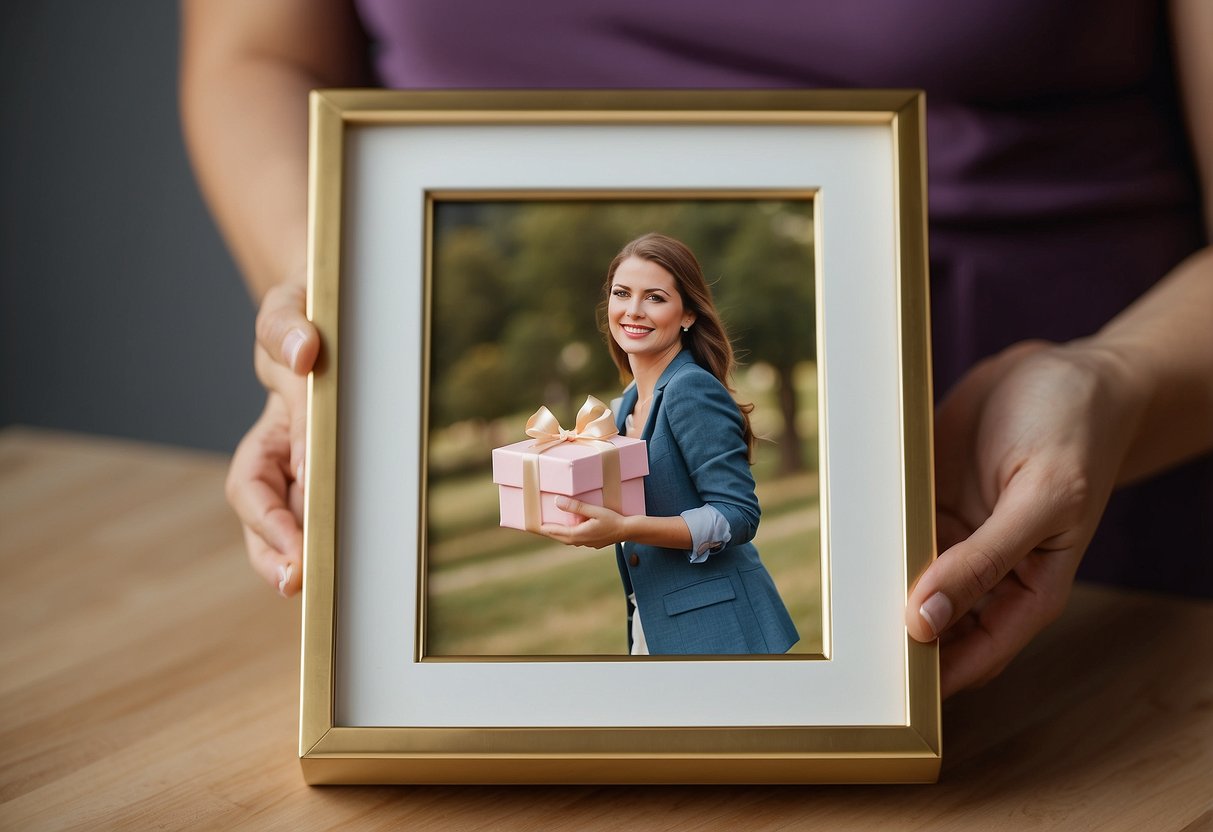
(709, 532)
(707, 428)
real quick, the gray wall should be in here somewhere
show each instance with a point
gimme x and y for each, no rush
(121, 312)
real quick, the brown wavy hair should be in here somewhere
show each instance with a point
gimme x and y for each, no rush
(707, 340)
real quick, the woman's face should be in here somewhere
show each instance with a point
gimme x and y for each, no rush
(645, 313)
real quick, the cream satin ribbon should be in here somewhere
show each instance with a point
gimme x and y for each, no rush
(595, 425)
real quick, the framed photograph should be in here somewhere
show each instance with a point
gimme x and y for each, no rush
(463, 247)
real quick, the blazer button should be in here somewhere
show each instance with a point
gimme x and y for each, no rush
(634, 559)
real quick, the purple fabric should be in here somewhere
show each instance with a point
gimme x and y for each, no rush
(1060, 182)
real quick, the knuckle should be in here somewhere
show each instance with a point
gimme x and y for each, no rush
(1069, 493)
(984, 568)
(267, 516)
(1073, 493)
(231, 488)
(234, 481)
(266, 325)
(281, 310)
(269, 338)
(262, 365)
(1029, 346)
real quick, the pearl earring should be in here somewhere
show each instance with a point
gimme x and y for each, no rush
(686, 329)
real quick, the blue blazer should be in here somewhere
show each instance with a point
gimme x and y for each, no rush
(698, 455)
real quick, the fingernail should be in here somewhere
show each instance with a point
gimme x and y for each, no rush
(291, 345)
(284, 577)
(563, 503)
(937, 612)
(299, 473)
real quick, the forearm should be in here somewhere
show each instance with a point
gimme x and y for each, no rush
(245, 76)
(665, 532)
(1164, 341)
(250, 154)
(1163, 348)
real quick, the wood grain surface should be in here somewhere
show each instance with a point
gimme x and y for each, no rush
(149, 681)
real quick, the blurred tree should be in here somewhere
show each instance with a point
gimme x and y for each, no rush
(769, 258)
(468, 315)
(758, 257)
(473, 388)
(518, 286)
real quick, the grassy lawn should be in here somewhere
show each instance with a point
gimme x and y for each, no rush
(514, 594)
(576, 608)
(557, 607)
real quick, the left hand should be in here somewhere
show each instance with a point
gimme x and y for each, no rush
(1028, 448)
(600, 526)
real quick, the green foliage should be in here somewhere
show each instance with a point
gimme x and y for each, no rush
(768, 256)
(517, 287)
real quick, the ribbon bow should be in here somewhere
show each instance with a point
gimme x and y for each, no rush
(594, 427)
(594, 423)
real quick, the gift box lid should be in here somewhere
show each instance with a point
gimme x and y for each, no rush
(570, 467)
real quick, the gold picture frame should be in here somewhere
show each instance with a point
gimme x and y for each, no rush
(373, 710)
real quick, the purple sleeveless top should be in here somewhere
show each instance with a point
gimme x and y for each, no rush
(1060, 181)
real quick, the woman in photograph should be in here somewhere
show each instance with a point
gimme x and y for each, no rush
(693, 580)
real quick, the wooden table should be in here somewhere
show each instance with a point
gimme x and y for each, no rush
(148, 680)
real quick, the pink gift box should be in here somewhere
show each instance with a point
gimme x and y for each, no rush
(572, 469)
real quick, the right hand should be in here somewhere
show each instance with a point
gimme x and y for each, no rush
(265, 480)
(1028, 447)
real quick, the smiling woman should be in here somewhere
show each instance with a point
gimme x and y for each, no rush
(693, 579)
(522, 290)
(645, 311)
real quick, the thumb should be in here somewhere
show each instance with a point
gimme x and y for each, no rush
(284, 331)
(1022, 518)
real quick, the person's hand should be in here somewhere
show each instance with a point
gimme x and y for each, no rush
(264, 482)
(286, 350)
(268, 498)
(600, 526)
(1028, 446)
